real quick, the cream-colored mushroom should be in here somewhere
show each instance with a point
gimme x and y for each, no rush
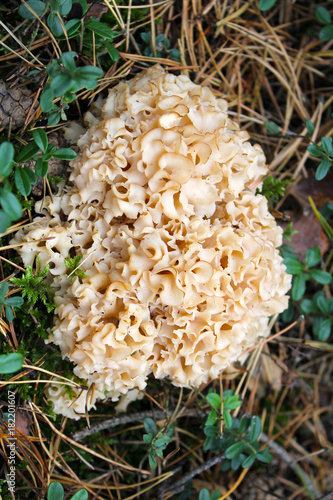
(181, 257)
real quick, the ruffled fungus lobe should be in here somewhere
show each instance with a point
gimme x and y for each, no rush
(181, 256)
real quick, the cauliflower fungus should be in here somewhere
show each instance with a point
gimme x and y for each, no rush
(181, 257)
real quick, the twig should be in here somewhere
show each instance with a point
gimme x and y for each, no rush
(179, 485)
(294, 466)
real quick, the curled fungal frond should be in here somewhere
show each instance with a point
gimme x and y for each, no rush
(181, 257)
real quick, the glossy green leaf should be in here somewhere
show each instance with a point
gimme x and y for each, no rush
(214, 400)
(293, 265)
(10, 363)
(255, 428)
(152, 462)
(147, 438)
(40, 139)
(326, 142)
(323, 15)
(272, 127)
(264, 456)
(55, 491)
(323, 169)
(204, 494)
(65, 154)
(22, 181)
(9, 313)
(101, 29)
(227, 419)
(60, 84)
(80, 495)
(326, 33)
(322, 277)
(313, 256)
(27, 152)
(41, 167)
(248, 462)
(14, 301)
(72, 27)
(234, 450)
(212, 417)
(5, 222)
(46, 100)
(10, 204)
(266, 4)
(150, 426)
(89, 72)
(308, 307)
(54, 24)
(298, 288)
(6, 158)
(37, 6)
(244, 424)
(68, 61)
(315, 150)
(112, 51)
(310, 127)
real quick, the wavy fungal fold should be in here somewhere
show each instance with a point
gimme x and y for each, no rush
(183, 270)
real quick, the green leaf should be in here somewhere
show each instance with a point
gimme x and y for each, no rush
(41, 167)
(249, 461)
(55, 491)
(54, 24)
(326, 33)
(146, 37)
(65, 7)
(150, 426)
(227, 418)
(313, 256)
(244, 424)
(212, 417)
(234, 450)
(323, 169)
(46, 100)
(27, 152)
(231, 402)
(148, 438)
(204, 494)
(80, 495)
(326, 142)
(214, 400)
(255, 429)
(272, 127)
(160, 443)
(152, 462)
(54, 118)
(89, 72)
(6, 158)
(67, 60)
(10, 363)
(320, 276)
(324, 331)
(65, 154)
(308, 307)
(40, 139)
(10, 204)
(4, 222)
(9, 313)
(101, 29)
(310, 127)
(14, 301)
(298, 288)
(315, 150)
(323, 304)
(35, 5)
(323, 15)
(210, 430)
(264, 456)
(72, 27)
(266, 4)
(84, 5)
(159, 453)
(293, 265)
(60, 84)
(112, 51)
(22, 181)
